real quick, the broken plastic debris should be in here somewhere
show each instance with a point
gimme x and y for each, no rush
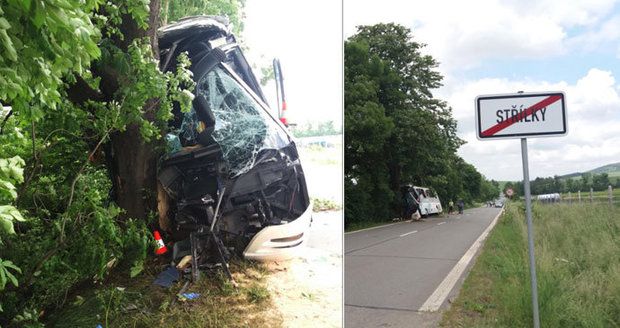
(188, 296)
(173, 143)
(185, 262)
(167, 277)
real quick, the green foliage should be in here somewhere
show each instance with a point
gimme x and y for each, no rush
(257, 293)
(29, 318)
(267, 74)
(174, 10)
(43, 41)
(577, 263)
(557, 184)
(11, 173)
(76, 74)
(396, 132)
(6, 275)
(326, 128)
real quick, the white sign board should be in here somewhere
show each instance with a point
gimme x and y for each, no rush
(520, 115)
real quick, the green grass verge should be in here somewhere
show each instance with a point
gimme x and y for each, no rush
(125, 302)
(578, 268)
(585, 194)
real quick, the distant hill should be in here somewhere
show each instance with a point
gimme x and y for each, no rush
(613, 170)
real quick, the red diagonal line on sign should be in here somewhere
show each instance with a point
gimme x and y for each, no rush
(529, 111)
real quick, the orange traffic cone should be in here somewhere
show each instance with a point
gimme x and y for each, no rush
(161, 247)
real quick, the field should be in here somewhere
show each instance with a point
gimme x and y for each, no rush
(578, 270)
(615, 194)
(323, 170)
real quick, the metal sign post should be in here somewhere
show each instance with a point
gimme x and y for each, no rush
(522, 115)
(530, 230)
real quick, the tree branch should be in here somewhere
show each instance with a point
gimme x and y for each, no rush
(80, 92)
(6, 118)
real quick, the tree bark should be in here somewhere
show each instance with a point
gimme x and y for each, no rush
(134, 161)
(135, 181)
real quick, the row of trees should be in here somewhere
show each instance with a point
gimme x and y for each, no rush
(396, 132)
(309, 129)
(556, 184)
(84, 101)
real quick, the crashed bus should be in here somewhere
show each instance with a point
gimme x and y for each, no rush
(232, 176)
(429, 201)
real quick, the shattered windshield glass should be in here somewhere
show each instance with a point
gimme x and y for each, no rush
(242, 127)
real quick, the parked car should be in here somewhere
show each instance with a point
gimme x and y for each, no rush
(233, 167)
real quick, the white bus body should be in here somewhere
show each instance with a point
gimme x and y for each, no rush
(429, 201)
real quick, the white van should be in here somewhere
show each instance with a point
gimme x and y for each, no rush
(429, 201)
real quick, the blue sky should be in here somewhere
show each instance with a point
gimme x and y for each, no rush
(503, 46)
(568, 68)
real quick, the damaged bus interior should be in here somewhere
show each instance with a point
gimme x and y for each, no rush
(231, 175)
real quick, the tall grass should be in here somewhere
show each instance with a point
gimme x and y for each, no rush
(577, 251)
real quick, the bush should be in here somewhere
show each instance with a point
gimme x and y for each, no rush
(81, 245)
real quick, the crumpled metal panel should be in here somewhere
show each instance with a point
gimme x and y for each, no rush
(242, 127)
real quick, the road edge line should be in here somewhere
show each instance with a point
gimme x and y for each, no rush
(434, 302)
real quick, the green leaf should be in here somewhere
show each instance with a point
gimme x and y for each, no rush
(39, 17)
(10, 264)
(4, 24)
(8, 45)
(2, 276)
(6, 224)
(26, 4)
(9, 188)
(12, 278)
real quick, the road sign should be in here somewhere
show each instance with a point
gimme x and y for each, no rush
(520, 115)
(509, 192)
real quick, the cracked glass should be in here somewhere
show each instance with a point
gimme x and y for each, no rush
(242, 126)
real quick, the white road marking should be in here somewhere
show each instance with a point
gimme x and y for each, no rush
(440, 223)
(408, 233)
(441, 293)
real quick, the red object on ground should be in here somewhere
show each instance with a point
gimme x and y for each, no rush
(161, 247)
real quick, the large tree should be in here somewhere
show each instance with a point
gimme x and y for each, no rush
(87, 107)
(395, 86)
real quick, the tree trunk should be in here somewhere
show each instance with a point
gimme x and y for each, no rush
(135, 165)
(134, 161)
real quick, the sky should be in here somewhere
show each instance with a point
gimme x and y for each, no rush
(497, 47)
(306, 36)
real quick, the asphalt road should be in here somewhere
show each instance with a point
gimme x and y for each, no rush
(391, 271)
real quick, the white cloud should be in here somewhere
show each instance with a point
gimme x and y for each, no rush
(464, 34)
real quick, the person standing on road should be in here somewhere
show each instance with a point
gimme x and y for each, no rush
(408, 203)
(461, 205)
(450, 207)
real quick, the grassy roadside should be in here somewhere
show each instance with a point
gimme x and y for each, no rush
(124, 302)
(578, 270)
(585, 194)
